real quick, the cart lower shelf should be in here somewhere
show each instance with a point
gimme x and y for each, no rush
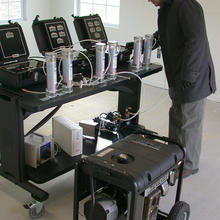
(52, 169)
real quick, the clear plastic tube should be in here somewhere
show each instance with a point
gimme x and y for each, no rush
(113, 53)
(51, 65)
(148, 41)
(137, 51)
(67, 58)
(100, 61)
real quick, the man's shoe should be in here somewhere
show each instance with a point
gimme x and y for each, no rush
(187, 172)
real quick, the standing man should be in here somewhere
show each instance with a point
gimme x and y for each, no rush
(189, 70)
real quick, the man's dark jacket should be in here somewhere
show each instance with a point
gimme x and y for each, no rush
(185, 48)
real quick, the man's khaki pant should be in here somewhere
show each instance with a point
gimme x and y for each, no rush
(185, 126)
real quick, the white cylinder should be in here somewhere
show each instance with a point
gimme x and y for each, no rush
(67, 66)
(148, 41)
(51, 65)
(113, 53)
(100, 60)
(137, 51)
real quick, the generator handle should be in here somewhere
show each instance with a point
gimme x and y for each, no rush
(153, 135)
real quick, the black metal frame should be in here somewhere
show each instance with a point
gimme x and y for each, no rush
(16, 106)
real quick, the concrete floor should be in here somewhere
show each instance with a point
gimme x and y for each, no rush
(201, 191)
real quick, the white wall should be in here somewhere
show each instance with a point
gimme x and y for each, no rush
(33, 8)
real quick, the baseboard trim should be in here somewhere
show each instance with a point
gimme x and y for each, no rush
(213, 97)
(154, 83)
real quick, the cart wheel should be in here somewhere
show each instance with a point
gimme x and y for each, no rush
(180, 211)
(36, 209)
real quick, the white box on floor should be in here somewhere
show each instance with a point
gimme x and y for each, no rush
(68, 135)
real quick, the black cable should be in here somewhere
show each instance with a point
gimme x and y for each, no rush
(156, 40)
(163, 138)
(162, 213)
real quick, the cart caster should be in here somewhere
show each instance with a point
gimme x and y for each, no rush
(180, 211)
(36, 209)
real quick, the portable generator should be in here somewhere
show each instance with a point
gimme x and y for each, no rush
(127, 179)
